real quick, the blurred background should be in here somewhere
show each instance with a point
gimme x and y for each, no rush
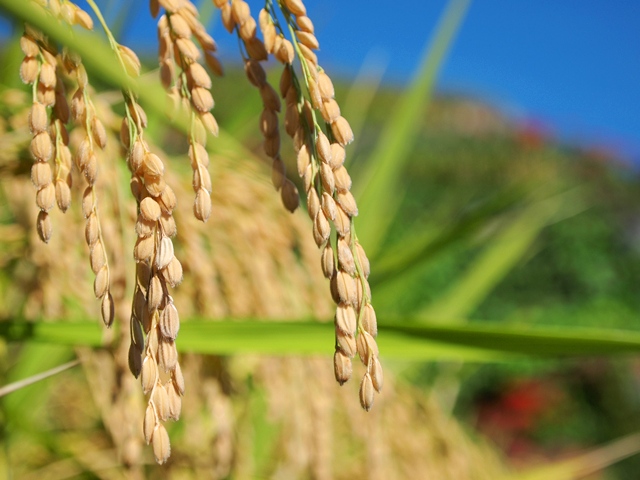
(496, 169)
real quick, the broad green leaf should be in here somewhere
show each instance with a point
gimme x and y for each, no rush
(403, 339)
(379, 191)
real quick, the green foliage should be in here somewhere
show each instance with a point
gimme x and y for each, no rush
(379, 195)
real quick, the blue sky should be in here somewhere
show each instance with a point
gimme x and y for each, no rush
(572, 66)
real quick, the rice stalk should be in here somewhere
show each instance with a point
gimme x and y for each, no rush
(190, 87)
(320, 162)
(154, 359)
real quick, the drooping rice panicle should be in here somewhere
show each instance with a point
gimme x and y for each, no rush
(190, 85)
(52, 142)
(237, 17)
(153, 310)
(86, 159)
(311, 117)
(152, 355)
(320, 160)
(39, 69)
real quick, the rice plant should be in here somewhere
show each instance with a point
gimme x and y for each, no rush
(94, 129)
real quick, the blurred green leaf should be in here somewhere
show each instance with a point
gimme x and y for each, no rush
(502, 254)
(264, 431)
(11, 59)
(359, 99)
(207, 12)
(379, 191)
(96, 54)
(416, 249)
(409, 340)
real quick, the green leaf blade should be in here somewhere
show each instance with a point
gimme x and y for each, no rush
(404, 339)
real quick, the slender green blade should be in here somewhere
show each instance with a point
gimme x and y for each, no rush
(493, 264)
(404, 339)
(501, 255)
(33, 359)
(360, 97)
(378, 191)
(96, 54)
(20, 384)
(419, 248)
(521, 339)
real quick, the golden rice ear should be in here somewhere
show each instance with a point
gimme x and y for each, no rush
(158, 269)
(43, 226)
(82, 18)
(345, 319)
(296, 7)
(95, 137)
(175, 401)
(290, 196)
(320, 163)
(131, 61)
(149, 424)
(49, 112)
(366, 392)
(29, 70)
(342, 367)
(238, 14)
(154, 8)
(175, 32)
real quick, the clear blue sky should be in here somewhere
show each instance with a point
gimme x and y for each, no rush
(574, 65)
(571, 65)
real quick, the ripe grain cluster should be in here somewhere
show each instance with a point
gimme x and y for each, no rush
(306, 99)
